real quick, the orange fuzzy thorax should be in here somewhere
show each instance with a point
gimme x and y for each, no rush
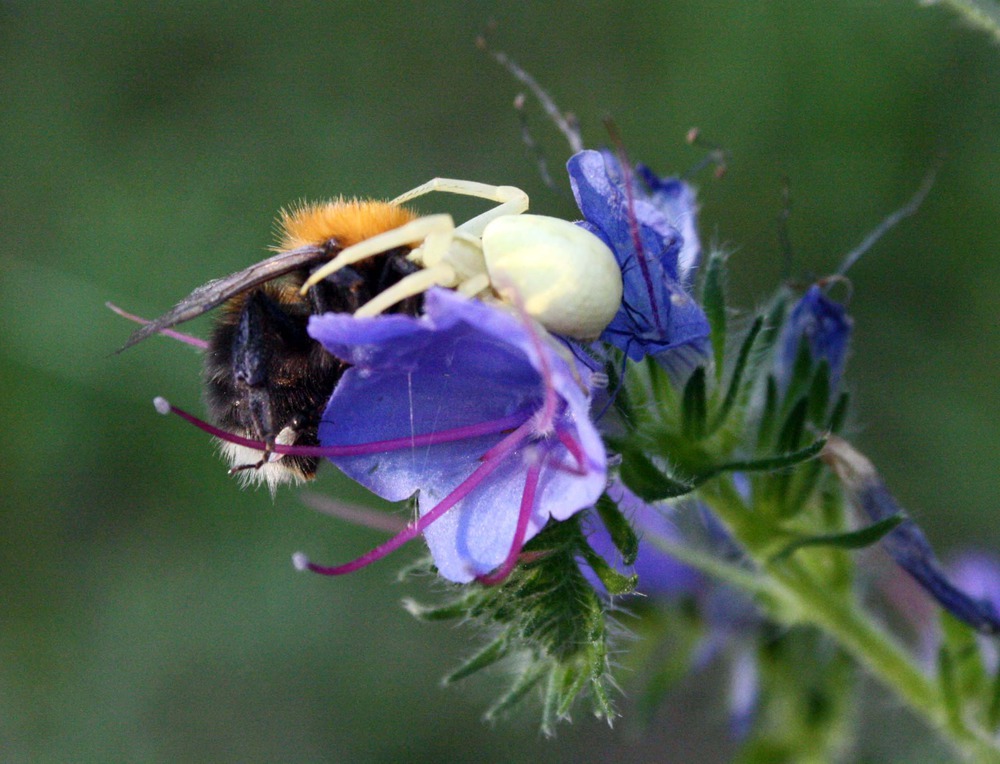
(347, 221)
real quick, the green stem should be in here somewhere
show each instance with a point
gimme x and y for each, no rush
(884, 658)
(800, 597)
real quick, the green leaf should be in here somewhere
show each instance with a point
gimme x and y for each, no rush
(449, 611)
(769, 334)
(768, 464)
(647, 481)
(801, 376)
(616, 583)
(819, 394)
(962, 644)
(769, 415)
(858, 539)
(793, 427)
(737, 378)
(713, 300)
(694, 407)
(522, 685)
(567, 687)
(496, 650)
(839, 415)
(800, 487)
(993, 713)
(949, 689)
(623, 536)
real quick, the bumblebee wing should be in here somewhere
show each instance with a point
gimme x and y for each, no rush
(217, 291)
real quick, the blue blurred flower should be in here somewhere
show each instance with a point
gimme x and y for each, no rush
(978, 574)
(730, 617)
(660, 574)
(824, 326)
(529, 452)
(650, 226)
(970, 599)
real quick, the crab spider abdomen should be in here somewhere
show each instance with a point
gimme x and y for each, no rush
(564, 276)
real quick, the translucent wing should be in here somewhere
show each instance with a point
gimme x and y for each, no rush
(217, 291)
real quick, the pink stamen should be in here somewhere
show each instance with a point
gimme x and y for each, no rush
(546, 414)
(527, 505)
(575, 449)
(186, 338)
(363, 516)
(482, 472)
(633, 223)
(493, 427)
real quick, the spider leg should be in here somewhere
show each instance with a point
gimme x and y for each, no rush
(421, 229)
(510, 200)
(441, 274)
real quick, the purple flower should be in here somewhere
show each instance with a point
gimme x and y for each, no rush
(731, 618)
(978, 574)
(650, 226)
(826, 328)
(908, 545)
(526, 450)
(660, 574)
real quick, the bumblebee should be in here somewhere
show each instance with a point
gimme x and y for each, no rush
(265, 378)
(268, 381)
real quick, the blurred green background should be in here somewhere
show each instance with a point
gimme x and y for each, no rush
(149, 608)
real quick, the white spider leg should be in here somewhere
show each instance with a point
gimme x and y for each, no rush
(421, 229)
(414, 284)
(512, 201)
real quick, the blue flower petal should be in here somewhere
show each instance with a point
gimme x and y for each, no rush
(906, 543)
(462, 363)
(655, 242)
(660, 574)
(825, 326)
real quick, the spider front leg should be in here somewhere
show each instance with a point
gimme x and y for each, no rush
(510, 200)
(433, 230)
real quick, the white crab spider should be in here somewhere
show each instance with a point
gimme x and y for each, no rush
(560, 274)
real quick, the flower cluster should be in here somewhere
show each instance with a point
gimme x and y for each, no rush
(712, 479)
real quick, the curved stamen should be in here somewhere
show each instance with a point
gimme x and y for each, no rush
(483, 471)
(493, 427)
(524, 515)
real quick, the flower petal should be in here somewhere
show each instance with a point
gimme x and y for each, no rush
(462, 363)
(646, 229)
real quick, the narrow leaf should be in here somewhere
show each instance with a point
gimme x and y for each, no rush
(623, 536)
(522, 685)
(819, 393)
(694, 411)
(616, 583)
(949, 690)
(647, 481)
(451, 610)
(770, 463)
(737, 379)
(839, 415)
(793, 427)
(713, 300)
(493, 652)
(859, 539)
